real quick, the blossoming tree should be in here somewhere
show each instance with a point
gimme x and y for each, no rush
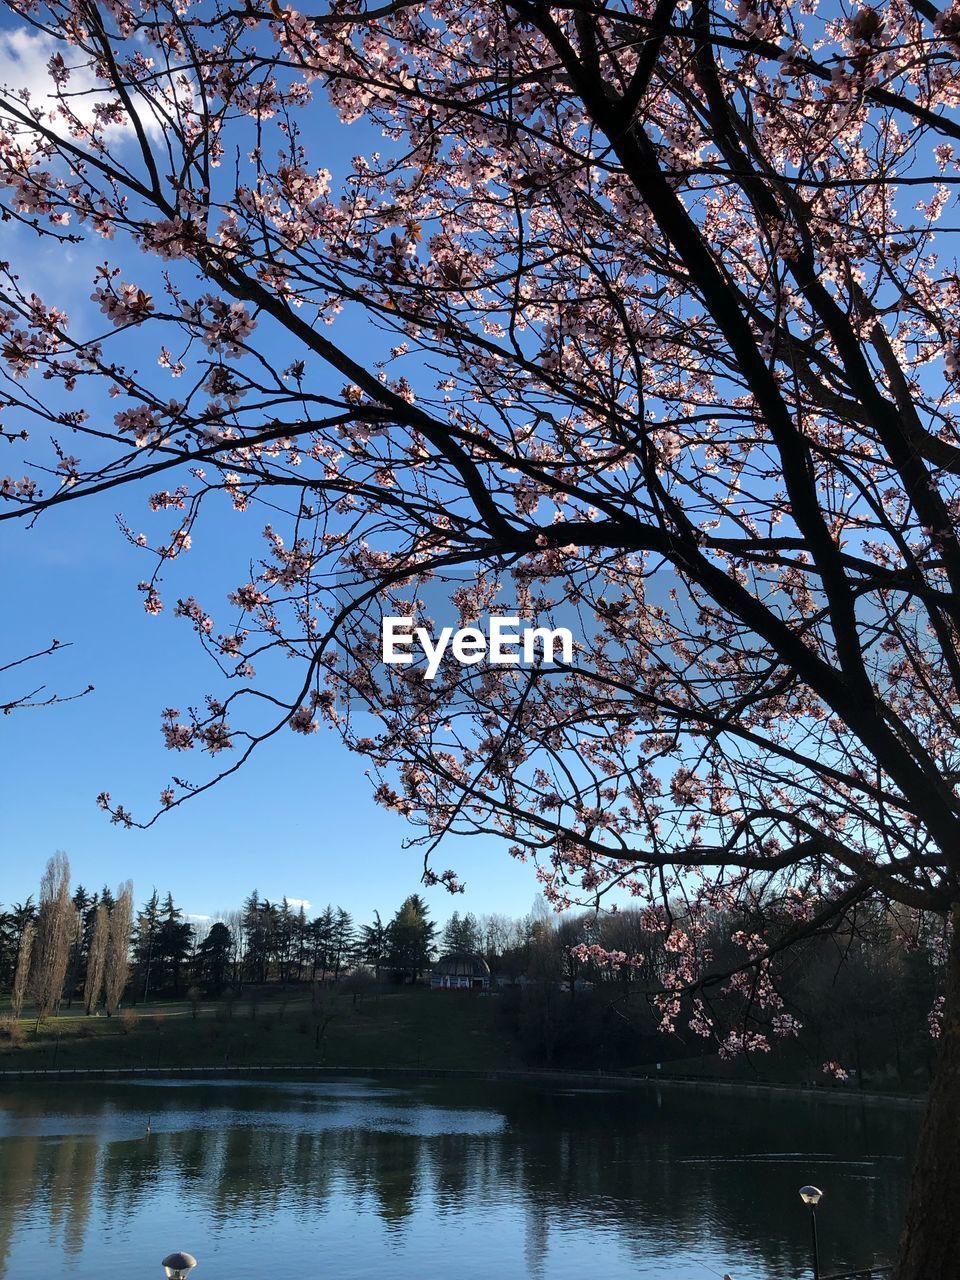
(639, 312)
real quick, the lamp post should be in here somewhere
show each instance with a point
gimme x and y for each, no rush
(177, 1266)
(811, 1196)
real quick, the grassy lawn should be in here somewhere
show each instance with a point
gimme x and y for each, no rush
(408, 1027)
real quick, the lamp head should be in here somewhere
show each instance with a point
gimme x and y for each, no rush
(810, 1195)
(177, 1266)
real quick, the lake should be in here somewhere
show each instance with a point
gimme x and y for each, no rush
(423, 1180)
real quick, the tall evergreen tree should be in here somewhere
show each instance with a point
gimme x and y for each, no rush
(410, 940)
(256, 928)
(212, 960)
(374, 944)
(16, 920)
(462, 934)
(341, 942)
(8, 951)
(300, 929)
(174, 942)
(78, 943)
(145, 945)
(283, 939)
(321, 936)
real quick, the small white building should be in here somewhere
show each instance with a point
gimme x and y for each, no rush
(460, 971)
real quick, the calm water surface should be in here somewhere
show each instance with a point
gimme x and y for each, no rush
(349, 1180)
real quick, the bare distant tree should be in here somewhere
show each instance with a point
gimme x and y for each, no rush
(234, 920)
(117, 963)
(499, 933)
(323, 1007)
(21, 977)
(96, 959)
(55, 925)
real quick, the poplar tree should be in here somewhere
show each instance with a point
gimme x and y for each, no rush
(55, 927)
(96, 960)
(116, 969)
(21, 976)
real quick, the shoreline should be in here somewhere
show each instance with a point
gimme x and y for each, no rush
(735, 1088)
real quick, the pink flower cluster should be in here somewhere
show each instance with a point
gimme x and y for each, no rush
(224, 326)
(835, 1071)
(123, 304)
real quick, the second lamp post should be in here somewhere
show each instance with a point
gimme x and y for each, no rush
(811, 1197)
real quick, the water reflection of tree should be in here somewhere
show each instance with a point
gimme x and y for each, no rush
(71, 1197)
(660, 1171)
(17, 1182)
(680, 1167)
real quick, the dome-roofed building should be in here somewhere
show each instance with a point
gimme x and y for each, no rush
(460, 971)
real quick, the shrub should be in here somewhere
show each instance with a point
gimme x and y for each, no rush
(11, 1031)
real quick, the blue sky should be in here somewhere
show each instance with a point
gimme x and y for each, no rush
(299, 821)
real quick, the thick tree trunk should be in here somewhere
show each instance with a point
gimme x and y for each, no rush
(930, 1244)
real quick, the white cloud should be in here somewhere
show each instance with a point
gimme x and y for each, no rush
(24, 56)
(297, 903)
(190, 915)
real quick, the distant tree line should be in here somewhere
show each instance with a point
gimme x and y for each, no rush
(861, 998)
(73, 946)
